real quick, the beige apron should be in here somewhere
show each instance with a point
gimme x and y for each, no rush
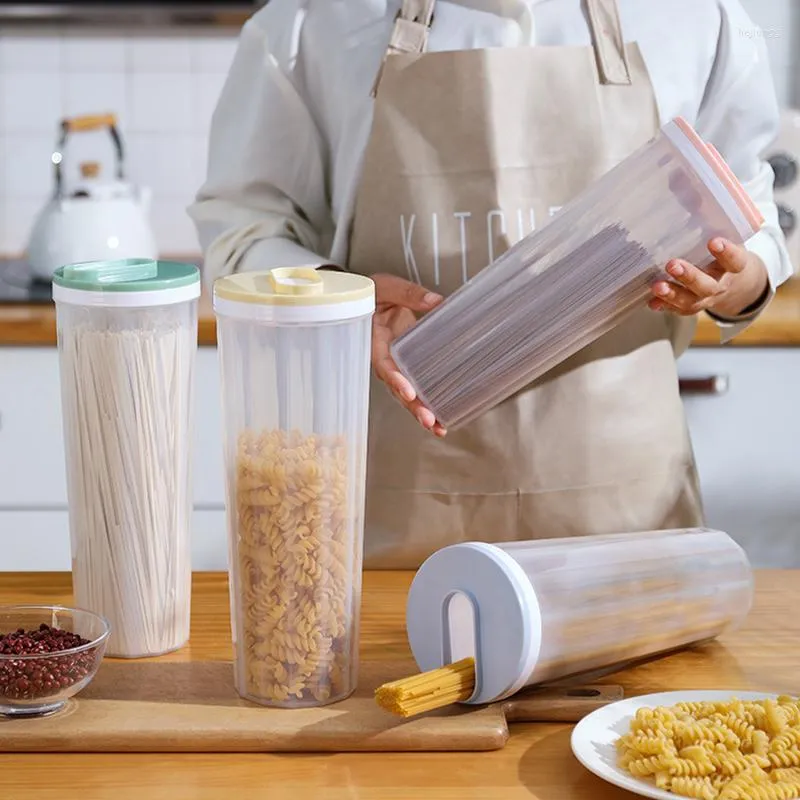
(469, 151)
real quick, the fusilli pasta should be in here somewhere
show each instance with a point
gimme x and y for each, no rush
(733, 750)
(297, 564)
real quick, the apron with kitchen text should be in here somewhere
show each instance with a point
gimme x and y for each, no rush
(469, 152)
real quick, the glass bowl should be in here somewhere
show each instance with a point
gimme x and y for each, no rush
(41, 683)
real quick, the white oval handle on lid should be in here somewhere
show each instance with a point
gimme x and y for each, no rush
(296, 280)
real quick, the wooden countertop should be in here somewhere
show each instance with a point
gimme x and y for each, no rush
(779, 326)
(536, 763)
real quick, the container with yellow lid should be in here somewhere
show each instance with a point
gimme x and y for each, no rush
(294, 349)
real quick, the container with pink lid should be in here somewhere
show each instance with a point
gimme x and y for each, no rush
(571, 281)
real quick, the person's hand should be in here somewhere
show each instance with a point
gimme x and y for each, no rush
(734, 282)
(397, 300)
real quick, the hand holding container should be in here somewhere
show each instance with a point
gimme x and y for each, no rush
(295, 354)
(127, 337)
(571, 281)
(538, 611)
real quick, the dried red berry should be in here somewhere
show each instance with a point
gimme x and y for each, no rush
(32, 679)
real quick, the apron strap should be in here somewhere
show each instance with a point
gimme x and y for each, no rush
(410, 34)
(413, 23)
(418, 11)
(612, 60)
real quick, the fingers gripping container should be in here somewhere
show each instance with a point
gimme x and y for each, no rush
(295, 355)
(577, 277)
(127, 339)
(538, 611)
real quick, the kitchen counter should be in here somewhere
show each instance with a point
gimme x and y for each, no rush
(536, 762)
(779, 326)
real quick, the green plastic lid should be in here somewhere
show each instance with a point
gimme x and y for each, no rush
(126, 275)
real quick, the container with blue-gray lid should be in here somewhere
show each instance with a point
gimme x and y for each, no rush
(534, 612)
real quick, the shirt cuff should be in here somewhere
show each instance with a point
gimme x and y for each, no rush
(763, 245)
(267, 254)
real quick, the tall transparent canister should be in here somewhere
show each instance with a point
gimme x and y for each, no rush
(295, 354)
(127, 338)
(538, 611)
(575, 278)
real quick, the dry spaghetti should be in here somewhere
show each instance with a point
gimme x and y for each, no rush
(481, 346)
(127, 420)
(407, 697)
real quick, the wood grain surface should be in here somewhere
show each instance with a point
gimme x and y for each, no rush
(778, 326)
(193, 707)
(764, 655)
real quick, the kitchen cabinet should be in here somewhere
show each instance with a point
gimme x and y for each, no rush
(34, 523)
(38, 540)
(32, 474)
(740, 404)
(209, 473)
(746, 432)
(32, 471)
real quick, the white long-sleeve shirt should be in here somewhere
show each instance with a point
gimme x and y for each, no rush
(294, 115)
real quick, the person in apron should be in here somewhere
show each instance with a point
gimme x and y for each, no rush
(464, 146)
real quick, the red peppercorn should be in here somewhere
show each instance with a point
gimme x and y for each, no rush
(32, 679)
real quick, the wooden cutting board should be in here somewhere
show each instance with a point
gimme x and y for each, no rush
(193, 707)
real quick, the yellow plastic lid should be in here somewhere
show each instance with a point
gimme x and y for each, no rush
(294, 294)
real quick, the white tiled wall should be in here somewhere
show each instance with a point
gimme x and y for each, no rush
(779, 25)
(163, 88)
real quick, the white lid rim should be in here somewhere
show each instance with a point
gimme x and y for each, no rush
(507, 616)
(149, 299)
(531, 610)
(709, 178)
(293, 314)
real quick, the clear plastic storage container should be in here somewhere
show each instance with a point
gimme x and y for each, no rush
(538, 611)
(571, 281)
(295, 353)
(127, 338)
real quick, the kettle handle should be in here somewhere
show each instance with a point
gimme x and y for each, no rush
(90, 122)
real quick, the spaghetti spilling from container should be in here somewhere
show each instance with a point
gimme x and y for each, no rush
(486, 621)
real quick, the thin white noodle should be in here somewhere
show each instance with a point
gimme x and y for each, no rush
(127, 412)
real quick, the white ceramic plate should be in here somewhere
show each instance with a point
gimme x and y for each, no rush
(594, 737)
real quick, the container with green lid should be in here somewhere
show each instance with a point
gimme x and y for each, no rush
(295, 356)
(127, 335)
(131, 283)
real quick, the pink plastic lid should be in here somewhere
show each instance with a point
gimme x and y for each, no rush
(746, 205)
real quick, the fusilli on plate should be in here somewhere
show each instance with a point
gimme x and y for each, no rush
(705, 745)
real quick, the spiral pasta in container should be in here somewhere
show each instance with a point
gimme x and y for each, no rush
(127, 338)
(537, 611)
(294, 349)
